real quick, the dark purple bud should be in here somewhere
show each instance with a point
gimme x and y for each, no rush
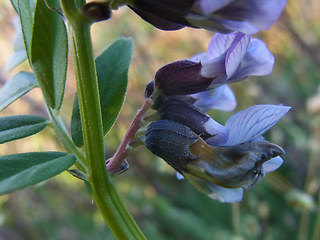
(170, 141)
(97, 11)
(164, 14)
(181, 77)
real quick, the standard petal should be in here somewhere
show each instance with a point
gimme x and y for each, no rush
(225, 195)
(258, 61)
(236, 52)
(253, 122)
(272, 165)
(221, 98)
(219, 44)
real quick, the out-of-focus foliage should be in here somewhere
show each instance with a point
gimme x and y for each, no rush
(283, 206)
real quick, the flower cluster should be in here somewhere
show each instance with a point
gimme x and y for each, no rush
(219, 160)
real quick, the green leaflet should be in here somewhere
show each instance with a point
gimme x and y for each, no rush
(16, 87)
(49, 53)
(20, 126)
(45, 38)
(21, 170)
(112, 70)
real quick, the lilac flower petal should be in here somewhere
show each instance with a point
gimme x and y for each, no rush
(251, 15)
(214, 69)
(219, 44)
(225, 195)
(272, 164)
(221, 98)
(258, 61)
(236, 52)
(199, 57)
(219, 131)
(261, 14)
(253, 122)
(209, 6)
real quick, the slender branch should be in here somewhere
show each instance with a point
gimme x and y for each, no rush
(65, 139)
(123, 149)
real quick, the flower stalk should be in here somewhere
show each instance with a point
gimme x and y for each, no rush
(123, 150)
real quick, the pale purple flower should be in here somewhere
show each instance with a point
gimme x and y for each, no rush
(245, 127)
(234, 157)
(220, 98)
(230, 58)
(247, 16)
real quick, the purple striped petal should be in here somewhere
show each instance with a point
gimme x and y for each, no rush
(253, 122)
(219, 44)
(258, 61)
(236, 52)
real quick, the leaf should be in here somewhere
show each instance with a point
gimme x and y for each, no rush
(26, 12)
(16, 87)
(112, 70)
(14, 4)
(21, 170)
(19, 54)
(49, 53)
(20, 126)
(16, 59)
(76, 128)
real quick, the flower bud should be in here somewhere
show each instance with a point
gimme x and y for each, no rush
(190, 116)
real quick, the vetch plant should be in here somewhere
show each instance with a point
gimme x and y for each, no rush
(218, 160)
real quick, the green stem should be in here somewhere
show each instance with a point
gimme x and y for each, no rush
(104, 192)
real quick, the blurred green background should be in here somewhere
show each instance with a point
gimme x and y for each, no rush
(284, 206)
